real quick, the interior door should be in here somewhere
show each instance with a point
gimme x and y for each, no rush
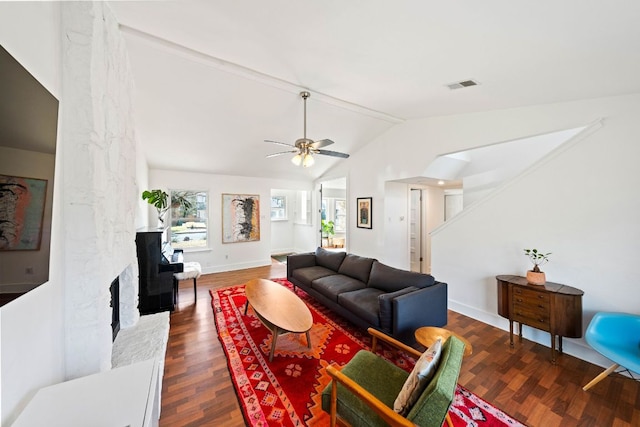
(415, 230)
(321, 213)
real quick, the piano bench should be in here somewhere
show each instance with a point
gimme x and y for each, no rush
(192, 270)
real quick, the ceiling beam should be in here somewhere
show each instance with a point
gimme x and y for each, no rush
(248, 73)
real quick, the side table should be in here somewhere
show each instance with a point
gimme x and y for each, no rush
(427, 335)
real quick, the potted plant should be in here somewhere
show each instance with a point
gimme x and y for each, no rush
(158, 199)
(535, 276)
(328, 231)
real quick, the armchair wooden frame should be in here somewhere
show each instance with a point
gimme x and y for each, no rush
(387, 414)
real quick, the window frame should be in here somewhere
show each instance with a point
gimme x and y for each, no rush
(201, 214)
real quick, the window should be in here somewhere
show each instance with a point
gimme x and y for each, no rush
(341, 215)
(189, 213)
(303, 207)
(335, 210)
(278, 208)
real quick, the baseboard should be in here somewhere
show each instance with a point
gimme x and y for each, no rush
(575, 347)
(234, 267)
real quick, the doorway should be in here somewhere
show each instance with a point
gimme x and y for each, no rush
(333, 214)
(415, 230)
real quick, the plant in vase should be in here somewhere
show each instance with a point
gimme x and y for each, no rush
(158, 199)
(535, 275)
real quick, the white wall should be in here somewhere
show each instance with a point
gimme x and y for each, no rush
(282, 231)
(229, 256)
(32, 334)
(581, 203)
(395, 223)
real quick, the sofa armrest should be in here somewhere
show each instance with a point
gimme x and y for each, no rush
(386, 307)
(424, 307)
(300, 261)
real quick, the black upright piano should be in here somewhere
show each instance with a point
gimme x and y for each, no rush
(157, 262)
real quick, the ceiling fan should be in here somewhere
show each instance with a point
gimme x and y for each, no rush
(304, 147)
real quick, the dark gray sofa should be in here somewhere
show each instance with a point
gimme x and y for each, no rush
(369, 293)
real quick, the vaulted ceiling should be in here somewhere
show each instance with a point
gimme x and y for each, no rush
(214, 79)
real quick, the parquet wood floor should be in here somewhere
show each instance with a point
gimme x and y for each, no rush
(197, 389)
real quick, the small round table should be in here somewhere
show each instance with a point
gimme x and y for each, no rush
(427, 335)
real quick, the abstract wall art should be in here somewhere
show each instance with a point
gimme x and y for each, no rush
(240, 218)
(21, 212)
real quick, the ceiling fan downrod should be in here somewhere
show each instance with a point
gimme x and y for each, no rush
(305, 95)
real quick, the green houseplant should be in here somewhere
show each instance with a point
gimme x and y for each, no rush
(159, 199)
(328, 230)
(535, 275)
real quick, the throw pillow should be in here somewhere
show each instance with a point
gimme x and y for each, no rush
(418, 379)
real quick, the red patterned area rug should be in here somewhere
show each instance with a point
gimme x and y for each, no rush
(287, 391)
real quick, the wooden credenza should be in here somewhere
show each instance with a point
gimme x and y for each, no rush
(551, 307)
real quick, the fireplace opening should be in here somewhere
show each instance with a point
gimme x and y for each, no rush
(115, 307)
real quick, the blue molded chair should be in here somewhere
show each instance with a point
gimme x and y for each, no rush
(617, 337)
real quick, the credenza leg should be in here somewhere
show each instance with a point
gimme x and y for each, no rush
(520, 332)
(553, 349)
(510, 333)
(560, 344)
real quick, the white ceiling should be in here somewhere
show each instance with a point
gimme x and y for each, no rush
(215, 78)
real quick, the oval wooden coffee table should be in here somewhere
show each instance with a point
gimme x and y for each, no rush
(427, 335)
(279, 309)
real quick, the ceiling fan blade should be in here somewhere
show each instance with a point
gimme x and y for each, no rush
(281, 153)
(332, 153)
(280, 143)
(321, 143)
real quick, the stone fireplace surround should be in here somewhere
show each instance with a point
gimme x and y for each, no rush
(101, 197)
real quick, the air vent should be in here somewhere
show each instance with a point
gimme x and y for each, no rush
(464, 83)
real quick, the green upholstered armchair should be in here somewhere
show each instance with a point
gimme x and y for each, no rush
(362, 393)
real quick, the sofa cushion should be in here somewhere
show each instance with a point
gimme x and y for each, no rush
(386, 306)
(391, 279)
(357, 267)
(309, 274)
(363, 303)
(328, 259)
(334, 285)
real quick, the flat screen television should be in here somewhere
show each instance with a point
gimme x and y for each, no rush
(28, 132)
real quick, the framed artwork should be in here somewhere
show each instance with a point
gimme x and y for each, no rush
(363, 208)
(240, 218)
(21, 212)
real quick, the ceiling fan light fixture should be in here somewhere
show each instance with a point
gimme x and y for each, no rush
(308, 161)
(297, 159)
(305, 147)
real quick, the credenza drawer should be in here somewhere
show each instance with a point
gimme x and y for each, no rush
(536, 318)
(530, 296)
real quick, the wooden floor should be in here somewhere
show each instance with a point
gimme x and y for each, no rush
(197, 390)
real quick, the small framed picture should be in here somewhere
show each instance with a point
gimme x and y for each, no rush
(363, 208)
